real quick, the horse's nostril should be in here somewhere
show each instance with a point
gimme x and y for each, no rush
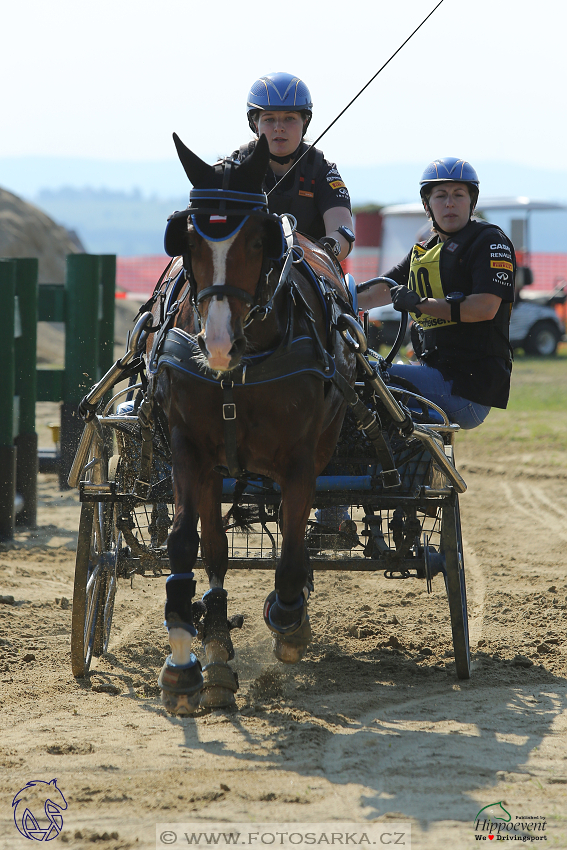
(202, 345)
(238, 347)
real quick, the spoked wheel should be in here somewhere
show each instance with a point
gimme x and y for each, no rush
(95, 584)
(452, 548)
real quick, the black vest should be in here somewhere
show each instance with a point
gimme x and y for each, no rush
(299, 198)
(469, 339)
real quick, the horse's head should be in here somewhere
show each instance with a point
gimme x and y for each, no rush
(226, 237)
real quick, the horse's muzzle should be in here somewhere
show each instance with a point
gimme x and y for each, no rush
(219, 361)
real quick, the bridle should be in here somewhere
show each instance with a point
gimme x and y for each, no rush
(214, 202)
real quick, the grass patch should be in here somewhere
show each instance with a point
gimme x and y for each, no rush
(539, 383)
(535, 420)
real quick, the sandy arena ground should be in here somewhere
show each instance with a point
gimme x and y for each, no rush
(372, 725)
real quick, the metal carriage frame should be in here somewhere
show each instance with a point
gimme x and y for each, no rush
(411, 529)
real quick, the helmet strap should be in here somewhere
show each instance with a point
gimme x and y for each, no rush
(283, 160)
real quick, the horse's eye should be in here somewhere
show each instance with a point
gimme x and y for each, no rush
(257, 244)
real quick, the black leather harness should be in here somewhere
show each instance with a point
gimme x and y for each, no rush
(177, 349)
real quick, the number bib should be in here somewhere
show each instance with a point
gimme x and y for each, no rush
(425, 279)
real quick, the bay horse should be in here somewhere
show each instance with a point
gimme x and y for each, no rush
(247, 366)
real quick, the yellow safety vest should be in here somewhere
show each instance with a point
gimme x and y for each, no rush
(425, 279)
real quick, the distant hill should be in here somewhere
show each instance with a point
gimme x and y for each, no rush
(123, 223)
(126, 208)
(26, 231)
(128, 224)
(386, 183)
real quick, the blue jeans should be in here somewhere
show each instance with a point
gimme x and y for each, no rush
(431, 384)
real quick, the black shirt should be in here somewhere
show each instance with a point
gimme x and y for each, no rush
(307, 192)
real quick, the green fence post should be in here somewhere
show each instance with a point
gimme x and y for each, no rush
(7, 386)
(82, 320)
(26, 388)
(106, 332)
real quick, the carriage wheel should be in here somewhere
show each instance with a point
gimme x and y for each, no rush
(95, 584)
(452, 548)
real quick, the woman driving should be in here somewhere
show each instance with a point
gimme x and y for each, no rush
(280, 107)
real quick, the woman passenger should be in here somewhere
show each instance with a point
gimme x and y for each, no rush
(458, 287)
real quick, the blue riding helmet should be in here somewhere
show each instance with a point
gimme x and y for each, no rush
(279, 92)
(449, 170)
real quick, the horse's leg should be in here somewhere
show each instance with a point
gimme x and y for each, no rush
(285, 609)
(181, 679)
(220, 681)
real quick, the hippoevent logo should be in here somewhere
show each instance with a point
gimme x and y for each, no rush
(37, 810)
(495, 823)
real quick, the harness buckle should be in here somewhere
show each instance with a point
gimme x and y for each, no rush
(229, 411)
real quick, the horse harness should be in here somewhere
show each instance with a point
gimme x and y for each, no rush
(177, 349)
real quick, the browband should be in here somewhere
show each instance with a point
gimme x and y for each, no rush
(228, 195)
(215, 211)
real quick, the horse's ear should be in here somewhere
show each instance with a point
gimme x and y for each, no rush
(257, 163)
(196, 170)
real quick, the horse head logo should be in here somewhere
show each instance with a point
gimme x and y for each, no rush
(43, 825)
(495, 811)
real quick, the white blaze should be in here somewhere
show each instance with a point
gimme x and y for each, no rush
(218, 333)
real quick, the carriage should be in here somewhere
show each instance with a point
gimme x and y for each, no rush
(409, 530)
(256, 318)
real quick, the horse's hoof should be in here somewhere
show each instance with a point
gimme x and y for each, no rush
(292, 648)
(181, 687)
(181, 705)
(289, 642)
(220, 683)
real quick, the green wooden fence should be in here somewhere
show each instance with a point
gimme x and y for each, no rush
(85, 303)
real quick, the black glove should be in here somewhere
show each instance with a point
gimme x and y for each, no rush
(404, 298)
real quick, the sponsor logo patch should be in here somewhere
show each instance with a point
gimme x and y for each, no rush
(305, 194)
(452, 246)
(501, 264)
(336, 184)
(499, 247)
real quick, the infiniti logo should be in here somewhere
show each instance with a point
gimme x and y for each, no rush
(502, 276)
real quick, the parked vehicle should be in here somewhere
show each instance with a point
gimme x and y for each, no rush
(534, 324)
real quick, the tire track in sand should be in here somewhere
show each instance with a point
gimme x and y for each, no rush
(476, 592)
(524, 499)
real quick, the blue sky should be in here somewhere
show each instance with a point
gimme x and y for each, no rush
(111, 80)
